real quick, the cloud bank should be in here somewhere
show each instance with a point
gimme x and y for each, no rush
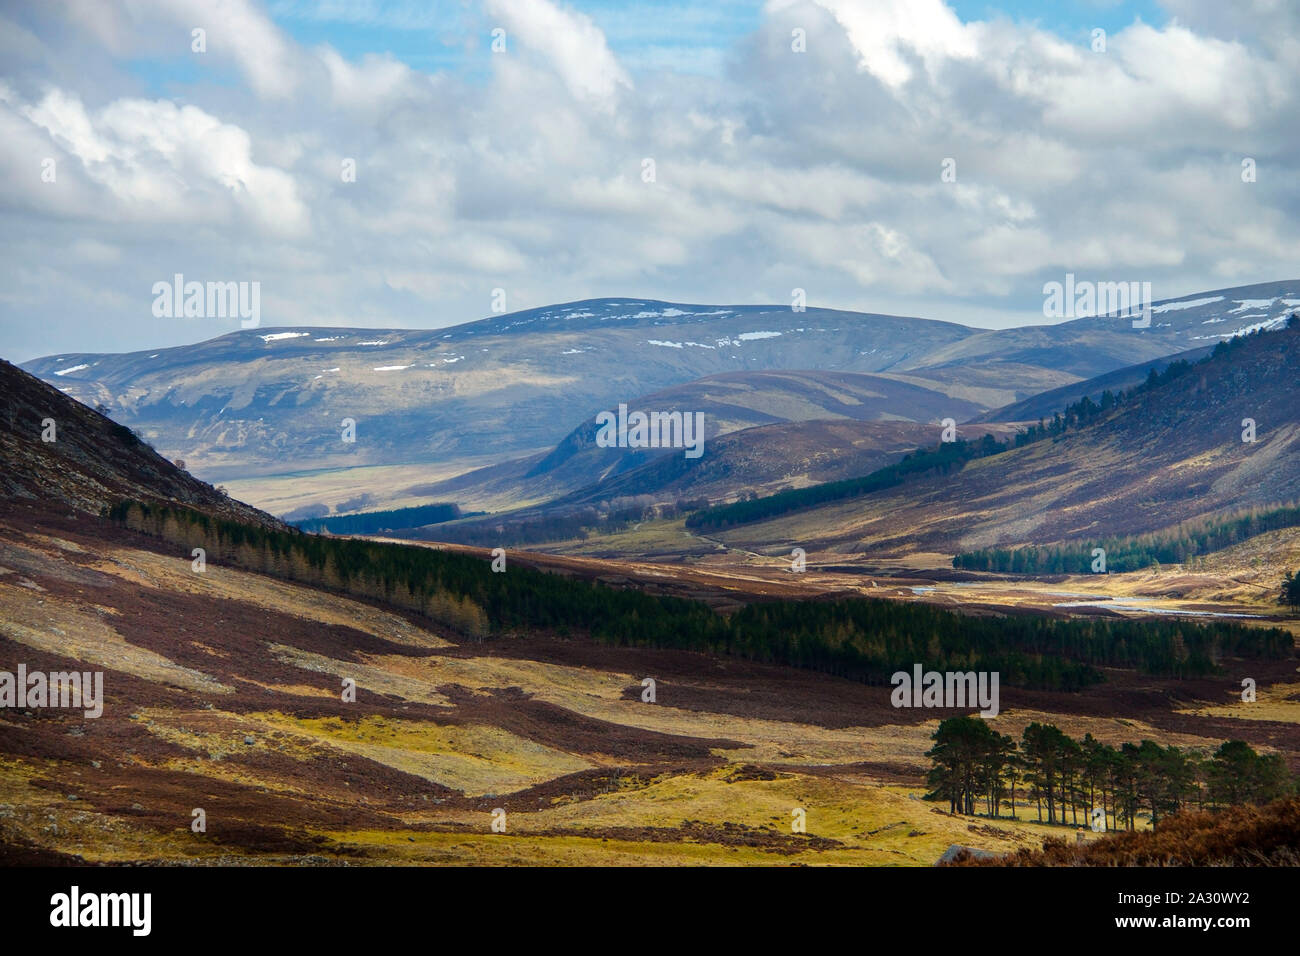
(815, 158)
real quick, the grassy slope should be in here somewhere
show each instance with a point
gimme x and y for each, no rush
(554, 732)
(1174, 454)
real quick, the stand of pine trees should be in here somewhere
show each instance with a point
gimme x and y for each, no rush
(861, 639)
(1291, 589)
(1174, 546)
(978, 770)
(942, 459)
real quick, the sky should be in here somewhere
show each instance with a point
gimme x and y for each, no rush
(403, 164)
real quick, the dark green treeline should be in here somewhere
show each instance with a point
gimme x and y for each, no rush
(978, 770)
(862, 639)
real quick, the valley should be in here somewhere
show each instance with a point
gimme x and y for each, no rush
(393, 700)
(224, 695)
(520, 452)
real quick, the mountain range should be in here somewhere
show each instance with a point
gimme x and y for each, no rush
(1218, 435)
(222, 681)
(272, 402)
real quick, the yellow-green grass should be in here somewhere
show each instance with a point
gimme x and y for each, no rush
(474, 759)
(376, 679)
(56, 627)
(697, 814)
(1271, 704)
(47, 818)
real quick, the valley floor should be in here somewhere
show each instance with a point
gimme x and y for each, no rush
(224, 694)
(1241, 582)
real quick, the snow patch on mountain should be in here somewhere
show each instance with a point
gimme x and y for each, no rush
(678, 345)
(1276, 322)
(1189, 304)
(1245, 305)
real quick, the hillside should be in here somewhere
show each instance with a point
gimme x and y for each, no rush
(798, 427)
(1237, 836)
(1045, 404)
(221, 693)
(247, 402)
(759, 460)
(1174, 453)
(1088, 347)
(753, 461)
(89, 461)
(265, 402)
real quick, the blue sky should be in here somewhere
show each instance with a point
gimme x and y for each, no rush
(692, 35)
(526, 173)
(1070, 19)
(685, 36)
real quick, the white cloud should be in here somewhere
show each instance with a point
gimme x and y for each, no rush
(886, 34)
(165, 163)
(236, 31)
(376, 79)
(818, 170)
(573, 45)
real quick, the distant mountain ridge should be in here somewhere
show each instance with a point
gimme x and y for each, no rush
(271, 401)
(1176, 452)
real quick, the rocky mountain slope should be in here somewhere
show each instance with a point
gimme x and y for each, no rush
(271, 401)
(1173, 453)
(224, 737)
(58, 454)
